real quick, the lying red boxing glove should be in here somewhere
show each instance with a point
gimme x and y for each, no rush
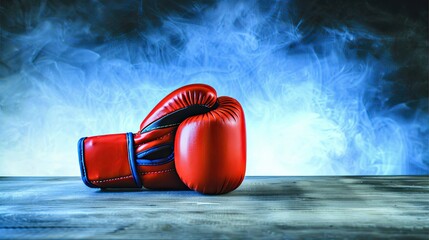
(145, 158)
(210, 149)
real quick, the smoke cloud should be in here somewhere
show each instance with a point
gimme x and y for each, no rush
(328, 87)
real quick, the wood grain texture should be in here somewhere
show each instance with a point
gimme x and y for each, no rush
(263, 207)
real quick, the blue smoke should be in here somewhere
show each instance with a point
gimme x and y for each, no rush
(328, 88)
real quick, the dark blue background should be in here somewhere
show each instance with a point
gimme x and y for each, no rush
(328, 87)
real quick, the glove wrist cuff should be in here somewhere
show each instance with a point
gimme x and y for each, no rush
(108, 161)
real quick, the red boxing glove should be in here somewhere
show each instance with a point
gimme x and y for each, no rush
(145, 158)
(210, 149)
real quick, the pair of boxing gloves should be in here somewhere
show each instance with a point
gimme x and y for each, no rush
(192, 139)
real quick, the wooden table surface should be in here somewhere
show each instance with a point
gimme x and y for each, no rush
(263, 207)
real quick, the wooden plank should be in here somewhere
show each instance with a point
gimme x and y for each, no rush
(263, 207)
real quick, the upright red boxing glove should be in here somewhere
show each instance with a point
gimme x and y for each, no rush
(145, 158)
(210, 149)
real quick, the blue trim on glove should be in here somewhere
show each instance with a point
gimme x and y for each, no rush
(154, 162)
(132, 160)
(80, 150)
